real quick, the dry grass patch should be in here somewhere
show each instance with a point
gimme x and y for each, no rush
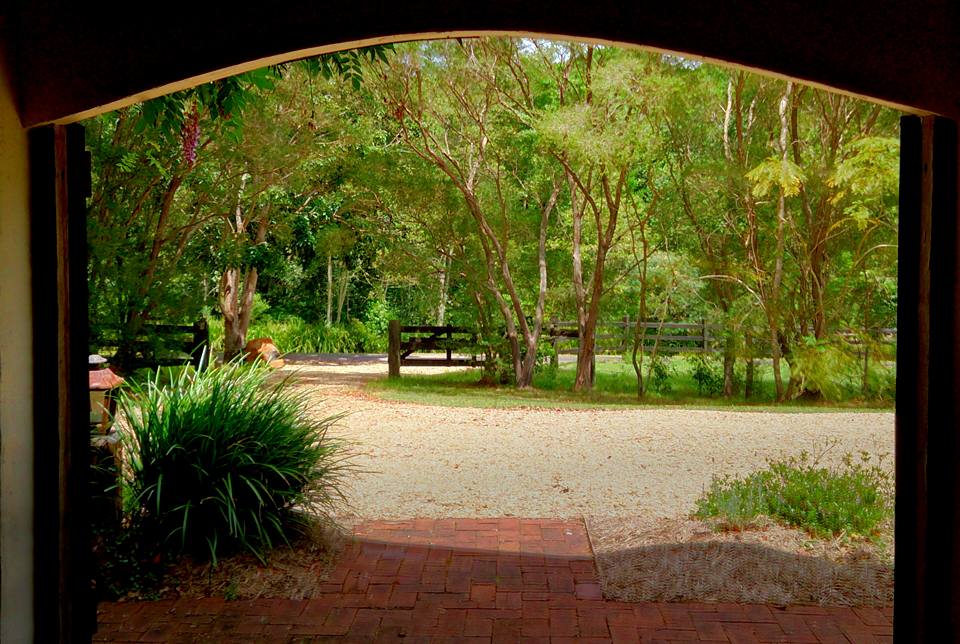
(296, 571)
(642, 559)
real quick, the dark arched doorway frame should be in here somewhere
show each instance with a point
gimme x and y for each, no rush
(74, 64)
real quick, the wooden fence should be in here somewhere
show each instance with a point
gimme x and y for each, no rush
(404, 341)
(165, 345)
(612, 338)
(617, 337)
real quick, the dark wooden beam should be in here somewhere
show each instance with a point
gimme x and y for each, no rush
(74, 57)
(927, 586)
(64, 610)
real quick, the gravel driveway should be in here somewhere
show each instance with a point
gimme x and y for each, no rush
(428, 461)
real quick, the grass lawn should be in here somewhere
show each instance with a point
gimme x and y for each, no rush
(615, 388)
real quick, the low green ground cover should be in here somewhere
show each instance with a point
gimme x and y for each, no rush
(680, 383)
(853, 499)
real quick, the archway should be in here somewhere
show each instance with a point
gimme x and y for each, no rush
(70, 55)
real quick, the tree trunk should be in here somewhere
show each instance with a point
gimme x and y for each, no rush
(605, 237)
(772, 304)
(777, 377)
(237, 305)
(329, 290)
(232, 340)
(444, 289)
(729, 360)
(342, 294)
(866, 344)
(640, 328)
(528, 366)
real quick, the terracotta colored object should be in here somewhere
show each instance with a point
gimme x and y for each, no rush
(264, 349)
(103, 402)
(103, 379)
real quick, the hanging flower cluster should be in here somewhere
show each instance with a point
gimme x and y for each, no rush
(191, 135)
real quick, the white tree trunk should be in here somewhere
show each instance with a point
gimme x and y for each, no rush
(329, 290)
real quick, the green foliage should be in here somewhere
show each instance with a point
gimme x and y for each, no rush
(853, 499)
(336, 174)
(707, 372)
(775, 172)
(660, 374)
(128, 562)
(548, 366)
(871, 169)
(824, 367)
(220, 460)
(162, 376)
(295, 335)
(616, 386)
(378, 316)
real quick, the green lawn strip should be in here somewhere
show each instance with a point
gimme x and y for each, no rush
(615, 389)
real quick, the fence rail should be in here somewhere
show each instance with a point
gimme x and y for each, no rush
(164, 345)
(420, 338)
(613, 337)
(616, 337)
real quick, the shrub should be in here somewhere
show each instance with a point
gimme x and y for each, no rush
(547, 363)
(824, 367)
(854, 498)
(660, 374)
(707, 372)
(294, 335)
(221, 459)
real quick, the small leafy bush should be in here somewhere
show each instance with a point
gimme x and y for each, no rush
(707, 373)
(547, 363)
(220, 460)
(824, 367)
(854, 498)
(660, 374)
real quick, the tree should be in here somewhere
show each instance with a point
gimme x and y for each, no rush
(456, 123)
(149, 165)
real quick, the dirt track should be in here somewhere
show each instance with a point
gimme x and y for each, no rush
(428, 461)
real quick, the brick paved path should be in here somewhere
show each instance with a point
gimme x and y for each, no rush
(505, 580)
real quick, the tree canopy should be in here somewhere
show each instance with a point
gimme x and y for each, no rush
(501, 183)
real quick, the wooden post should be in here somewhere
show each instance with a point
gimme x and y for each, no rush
(703, 334)
(555, 358)
(926, 592)
(201, 344)
(626, 334)
(449, 340)
(393, 351)
(64, 607)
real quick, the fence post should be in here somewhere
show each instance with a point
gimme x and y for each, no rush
(201, 344)
(393, 351)
(626, 334)
(554, 358)
(449, 341)
(703, 334)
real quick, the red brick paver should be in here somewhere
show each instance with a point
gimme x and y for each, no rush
(500, 580)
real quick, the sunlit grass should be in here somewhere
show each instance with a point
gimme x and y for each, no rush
(615, 387)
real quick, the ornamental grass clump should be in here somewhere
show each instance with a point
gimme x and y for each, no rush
(226, 459)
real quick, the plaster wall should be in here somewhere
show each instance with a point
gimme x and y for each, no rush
(16, 375)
